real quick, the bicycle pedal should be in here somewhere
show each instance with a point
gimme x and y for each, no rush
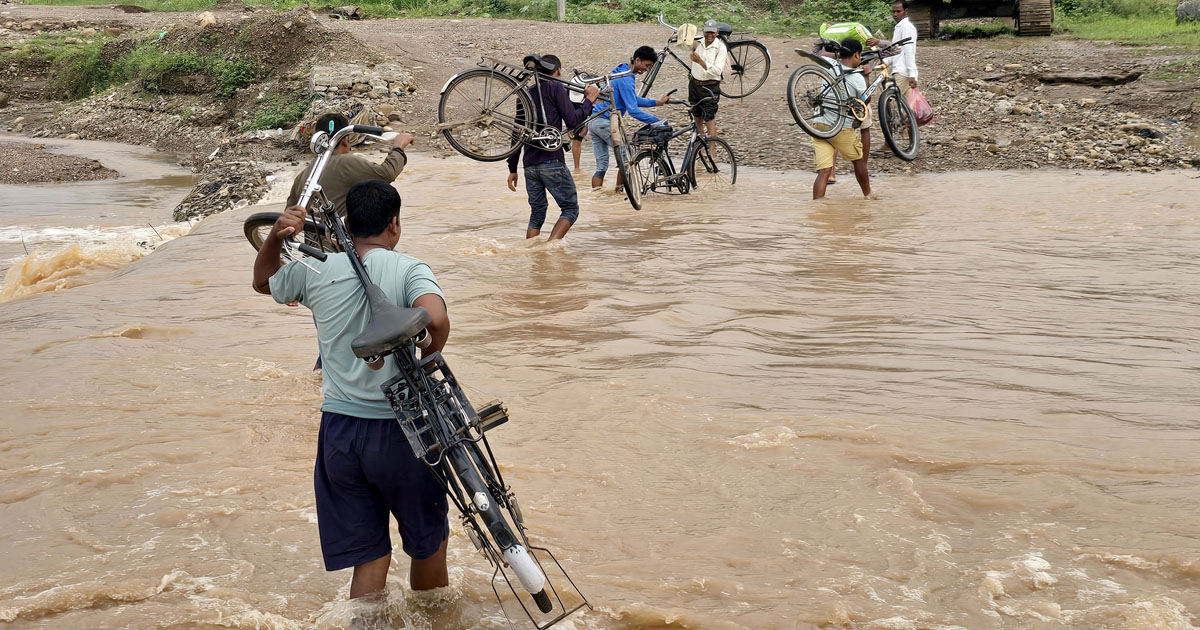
(492, 414)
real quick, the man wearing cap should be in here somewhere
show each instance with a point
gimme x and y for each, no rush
(708, 66)
(546, 171)
(846, 141)
(346, 169)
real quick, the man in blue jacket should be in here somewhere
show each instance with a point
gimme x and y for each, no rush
(546, 170)
(626, 101)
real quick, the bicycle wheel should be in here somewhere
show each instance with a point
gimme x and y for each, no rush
(713, 166)
(481, 114)
(899, 124)
(259, 225)
(815, 99)
(654, 171)
(632, 178)
(749, 64)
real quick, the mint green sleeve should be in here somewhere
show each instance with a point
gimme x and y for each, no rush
(287, 285)
(420, 281)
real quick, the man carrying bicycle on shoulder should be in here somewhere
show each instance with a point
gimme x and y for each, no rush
(704, 81)
(346, 169)
(846, 142)
(625, 101)
(546, 171)
(365, 468)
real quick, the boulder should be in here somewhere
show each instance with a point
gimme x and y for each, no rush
(206, 18)
(1188, 12)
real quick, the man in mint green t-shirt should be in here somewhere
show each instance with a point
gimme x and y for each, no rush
(365, 468)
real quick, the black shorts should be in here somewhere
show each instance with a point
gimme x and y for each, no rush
(366, 470)
(708, 109)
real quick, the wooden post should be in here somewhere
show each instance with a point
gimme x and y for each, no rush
(562, 10)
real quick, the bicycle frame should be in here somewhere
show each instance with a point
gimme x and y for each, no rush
(542, 135)
(695, 143)
(877, 86)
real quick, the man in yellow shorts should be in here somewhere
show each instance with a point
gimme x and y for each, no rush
(847, 141)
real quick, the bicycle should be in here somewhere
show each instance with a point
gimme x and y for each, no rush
(482, 113)
(747, 57)
(444, 430)
(820, 104)
(318, 235)
(710, 162)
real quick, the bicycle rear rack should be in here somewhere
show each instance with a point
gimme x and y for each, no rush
(516, 72)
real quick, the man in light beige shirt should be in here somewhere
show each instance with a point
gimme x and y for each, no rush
(346, 169)
(708, 66)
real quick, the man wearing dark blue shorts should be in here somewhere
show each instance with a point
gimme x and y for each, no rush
(365, 468)
(546, 171)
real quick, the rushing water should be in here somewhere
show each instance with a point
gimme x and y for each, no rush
(75, 229)
(969, 403)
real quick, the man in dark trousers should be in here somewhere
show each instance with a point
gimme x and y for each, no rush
(547, 170)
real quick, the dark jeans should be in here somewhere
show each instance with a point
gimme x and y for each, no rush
(553, 177)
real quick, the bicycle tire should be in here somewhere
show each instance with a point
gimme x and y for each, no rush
(632, 179)
(652, 168)
(259, 224)
(745, 59)
(713, 177)
(807, 107)
(481, 121)
(892, 107)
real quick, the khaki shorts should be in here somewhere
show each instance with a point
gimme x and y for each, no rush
(848, 142)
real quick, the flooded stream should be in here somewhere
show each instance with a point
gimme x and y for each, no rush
(968, 404)
(109, 222)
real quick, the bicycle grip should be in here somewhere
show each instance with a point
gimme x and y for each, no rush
(309, 250)
(368, 129)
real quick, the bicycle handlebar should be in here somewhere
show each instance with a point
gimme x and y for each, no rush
(664, 23)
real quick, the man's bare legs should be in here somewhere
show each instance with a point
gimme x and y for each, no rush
(371, 577)
(821, 182)
(431, 572)
(576, 152)
(560, 229)
(861, 174)
(532, 232)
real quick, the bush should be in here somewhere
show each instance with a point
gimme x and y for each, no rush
(276, 112)
(157, 67)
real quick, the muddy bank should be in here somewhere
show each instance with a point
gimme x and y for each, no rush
(33, 164)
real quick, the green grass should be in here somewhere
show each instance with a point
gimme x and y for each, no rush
(79, 70)
(1159, 30)
(153, 5)
(276, 112)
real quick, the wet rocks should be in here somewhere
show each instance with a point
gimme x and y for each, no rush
(3, 99)
(224, 185)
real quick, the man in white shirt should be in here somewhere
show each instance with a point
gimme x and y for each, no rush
(904, 65)
(708, 66)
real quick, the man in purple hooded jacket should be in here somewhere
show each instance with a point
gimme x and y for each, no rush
(546, 171)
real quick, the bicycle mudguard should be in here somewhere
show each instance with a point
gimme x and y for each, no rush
(824, 61)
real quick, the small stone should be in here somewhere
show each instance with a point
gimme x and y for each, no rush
(384, 110)
(19, 120)
(1022, 110)
(115, 31)
(1012, 67)
(1003, 108)
(72, 40)
(3, 99)
(88, 32)
(998, 89)
(72, 136)
(206, 18)
(1087, 102)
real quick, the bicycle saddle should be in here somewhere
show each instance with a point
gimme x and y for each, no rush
(390, 326)
(535, 62)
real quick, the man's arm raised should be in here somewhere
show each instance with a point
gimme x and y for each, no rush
(267, 262)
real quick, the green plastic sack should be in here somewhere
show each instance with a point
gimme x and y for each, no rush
(843, 30)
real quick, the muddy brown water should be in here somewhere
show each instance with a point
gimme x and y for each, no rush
(967, 404)
(78, 230)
